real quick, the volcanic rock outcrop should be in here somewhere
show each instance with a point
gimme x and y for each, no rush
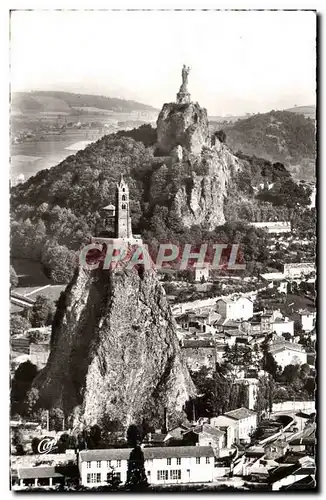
(182, 124)
(114, 350)
(200, 200)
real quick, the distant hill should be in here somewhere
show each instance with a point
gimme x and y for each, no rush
(279, 136)
(66, 102)
(306, 111)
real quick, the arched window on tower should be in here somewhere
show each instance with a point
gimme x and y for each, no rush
(123, 190)
(123, 206)
(123, 197)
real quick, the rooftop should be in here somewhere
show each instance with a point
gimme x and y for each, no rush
(149, 453)
(208, 429)
(240, 413)
(45, 472)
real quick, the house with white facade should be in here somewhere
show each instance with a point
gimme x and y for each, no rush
(230, 428)
(237, 308)
(281, 326)
(298, 269)
(274, 227)
(207, 435)
(201, 273)
(238, 424)
(275, 280)
(247, 422)
(288, 353)
(307, 320)
(163, 465)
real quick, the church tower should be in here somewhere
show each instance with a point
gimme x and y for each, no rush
(122, 212)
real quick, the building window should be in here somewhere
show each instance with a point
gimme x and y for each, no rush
(162, 475)
(175, 474)
(123, 197)
(123, 206)
(118, 463)
(88, 465)
(149, 473)
(207, 460)
(168, 461)
(197, 460)
(94, 478)
(178, 461)
(108, 463)
(123, 190)
(98, 464)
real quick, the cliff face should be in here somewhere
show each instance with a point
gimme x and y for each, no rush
(200, 200)
(182, 124)
(114, 351)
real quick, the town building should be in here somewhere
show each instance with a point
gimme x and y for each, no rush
(275, 227)
(201, 273)
(288, 353)
(276, 449)
(307, 320)
(239, 424)
(44, 476)
(163, 465)
(275, 280)
(298, 269)
(207, 435)
(240, 308)
(286, 475)
(247, 422)
(230, 428)
(281, 326)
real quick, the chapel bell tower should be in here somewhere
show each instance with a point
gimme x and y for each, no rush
(122, 211)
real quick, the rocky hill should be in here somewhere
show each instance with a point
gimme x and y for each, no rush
(182, 181)
(279, 136)
(114, 351)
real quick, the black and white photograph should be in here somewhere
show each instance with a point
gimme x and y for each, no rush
(163, 241)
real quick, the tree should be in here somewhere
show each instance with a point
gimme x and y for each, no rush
(221, 135)
(287, 335)
(35, 443)
(60, 262)
(136, 475)
(42, 312)
(56, 416)
(94, 437)
(32, 398)
(18, 324)
(310, 386)
(290, 373)
(17, 441)
(21, 384)
(304, 371)
(270, 365)
(13, 277)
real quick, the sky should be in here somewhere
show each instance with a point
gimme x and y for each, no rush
(241, 61)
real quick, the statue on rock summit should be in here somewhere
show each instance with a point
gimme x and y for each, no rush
(183, 96)
(185, 74)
